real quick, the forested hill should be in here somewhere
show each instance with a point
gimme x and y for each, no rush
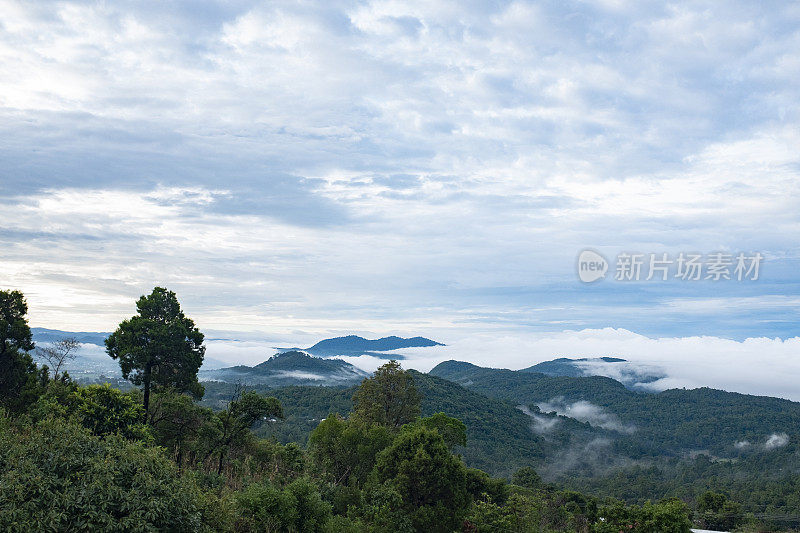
(499, 438)
(671, 422)
(289, 368)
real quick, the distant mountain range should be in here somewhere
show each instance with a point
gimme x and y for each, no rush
(297, 367)
(289, 368)
(353, 345)
(45, 335)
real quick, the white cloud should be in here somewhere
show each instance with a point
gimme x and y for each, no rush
(411, 167)
(540, 424)
(759, 366)
(586, 412)
(776, 440)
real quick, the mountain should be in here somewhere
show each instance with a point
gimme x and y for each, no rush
(289, 368)
(567, 367)
(91, 362)
(631, 375)
(673, 422)
(354, 345)
(591, 433)
(498, 435)
(45, 336)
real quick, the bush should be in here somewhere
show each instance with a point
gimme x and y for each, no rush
(57, 476)
(107, 411)
(298, 507)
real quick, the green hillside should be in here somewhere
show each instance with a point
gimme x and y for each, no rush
(672, 422)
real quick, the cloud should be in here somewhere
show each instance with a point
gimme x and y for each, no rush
(595, 456)
(409, 167)
(756, 365)
(586, 412)
(298, 374)
(776, 440)
(540, 424)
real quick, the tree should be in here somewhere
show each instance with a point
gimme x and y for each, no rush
(482, 487)
(716, 511)
(431, 480)
(452, 430)
(527, 477)
(58, 353)
(232, 426)
(388, 398)
(488, 517)
(20, 380)
(345, 450)
(668, 516)
(176, 421)
(298, 507)
(159, 345)
(15, 334)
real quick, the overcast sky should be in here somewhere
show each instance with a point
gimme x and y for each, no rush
(311, 169)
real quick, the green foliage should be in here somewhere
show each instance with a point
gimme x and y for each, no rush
(765, 482)
(430, 480)
(15, 334)
(382, 511)
(452, 430)
(364, 477)
(716, 511)
(159, 345)
(80, 458)
(488, 517)
(57, 399)
(267, 508)
(668, 516)
(527, 477)
(230, 429)
(56, 476)
(106, 411)
(671, 422)
(345, 450)
(388, 398)
(499, 437)
(483, 487)
(21, 382)
(312, 512)
(176, 422)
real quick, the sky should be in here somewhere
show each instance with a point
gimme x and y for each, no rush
(300, 170)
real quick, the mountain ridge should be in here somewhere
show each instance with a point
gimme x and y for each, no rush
(289, 368)
(356, 345)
